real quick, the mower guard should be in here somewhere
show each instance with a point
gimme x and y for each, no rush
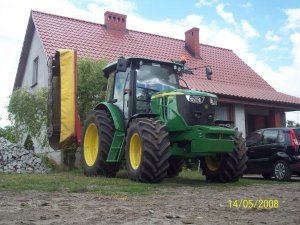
(63, 117)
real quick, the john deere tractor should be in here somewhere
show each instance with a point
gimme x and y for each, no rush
(153, 124)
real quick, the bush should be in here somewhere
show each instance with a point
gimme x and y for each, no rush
(8, 133)
(28, 144)
(91, 85)
(27, 112)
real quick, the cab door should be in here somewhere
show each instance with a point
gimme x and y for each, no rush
(117, 91)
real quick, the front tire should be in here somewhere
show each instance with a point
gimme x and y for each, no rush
(281, 171)
(147, 150)
(95, 144)
(226, 167)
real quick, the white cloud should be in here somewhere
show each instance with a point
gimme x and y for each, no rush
(270, 36)
(247, 5)
(293, 18)
(271, 48)
(250, 32)
(293, 116)
(116, 6)
(227, 16)
(201, 3)
(295, 39)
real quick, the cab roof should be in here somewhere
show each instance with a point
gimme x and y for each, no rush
(113, 66)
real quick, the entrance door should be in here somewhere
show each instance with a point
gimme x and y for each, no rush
(256, 122)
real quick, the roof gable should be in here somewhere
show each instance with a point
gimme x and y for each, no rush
(231, 76)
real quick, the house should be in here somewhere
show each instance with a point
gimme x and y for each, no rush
(244, 97)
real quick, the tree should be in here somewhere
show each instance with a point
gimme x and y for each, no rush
(8, 133)
(27, 112)
(91, 85)
(291, 123)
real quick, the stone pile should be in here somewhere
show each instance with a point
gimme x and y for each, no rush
(15, 158)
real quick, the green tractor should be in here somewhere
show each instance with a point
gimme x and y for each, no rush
(153, 123)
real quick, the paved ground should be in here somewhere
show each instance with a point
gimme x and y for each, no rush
(259, 177)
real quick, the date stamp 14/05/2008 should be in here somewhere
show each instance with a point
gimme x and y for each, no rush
(253, 204)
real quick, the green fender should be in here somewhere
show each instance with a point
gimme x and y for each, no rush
(116, 152)
(115, 113)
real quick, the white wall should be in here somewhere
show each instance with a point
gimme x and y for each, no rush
(36, 50)
(239, 118)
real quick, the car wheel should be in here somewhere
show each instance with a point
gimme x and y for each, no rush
(267, 175)
(281, 171)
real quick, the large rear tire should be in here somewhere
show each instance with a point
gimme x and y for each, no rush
(95, 144)
(226, 167)
(175, 167)
(147, 150)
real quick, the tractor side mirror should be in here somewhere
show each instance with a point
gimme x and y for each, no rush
(122, 64)
(208, 72)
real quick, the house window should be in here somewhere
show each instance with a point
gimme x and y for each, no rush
(35, 71)
(222, 113)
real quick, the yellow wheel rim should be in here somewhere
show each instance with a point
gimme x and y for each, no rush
(212, 163)
(135, 151)
(91, 143)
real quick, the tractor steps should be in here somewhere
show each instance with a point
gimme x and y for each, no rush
(117, 147)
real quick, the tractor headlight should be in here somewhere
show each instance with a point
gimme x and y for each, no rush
(213, 101)
(195, 99)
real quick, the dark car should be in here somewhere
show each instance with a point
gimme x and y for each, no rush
(274, 152)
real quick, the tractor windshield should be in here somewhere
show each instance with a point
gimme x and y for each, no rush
(152, 78)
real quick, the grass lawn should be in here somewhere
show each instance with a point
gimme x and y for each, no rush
(75, 181)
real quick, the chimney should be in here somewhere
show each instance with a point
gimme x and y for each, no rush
(192, 42)
(115, 21)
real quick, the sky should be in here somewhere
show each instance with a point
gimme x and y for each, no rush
(263, 33)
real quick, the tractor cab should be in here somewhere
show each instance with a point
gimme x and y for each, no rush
(133, 81)
(142, 87)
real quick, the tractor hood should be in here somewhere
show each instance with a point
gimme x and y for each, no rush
(180, 108)
(182, 92)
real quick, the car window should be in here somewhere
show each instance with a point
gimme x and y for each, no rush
(254, 139)
(281, 137)
(270, 137)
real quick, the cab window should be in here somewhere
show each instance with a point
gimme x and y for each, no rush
(110, 85)
(121, 83)
(152, 78)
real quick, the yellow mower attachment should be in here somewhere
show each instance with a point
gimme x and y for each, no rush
(63, 117)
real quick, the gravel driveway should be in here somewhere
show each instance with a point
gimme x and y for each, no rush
(177, 205)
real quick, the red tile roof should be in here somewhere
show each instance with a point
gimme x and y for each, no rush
(231, 76)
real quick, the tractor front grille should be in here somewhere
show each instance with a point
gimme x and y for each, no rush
(196, 114)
